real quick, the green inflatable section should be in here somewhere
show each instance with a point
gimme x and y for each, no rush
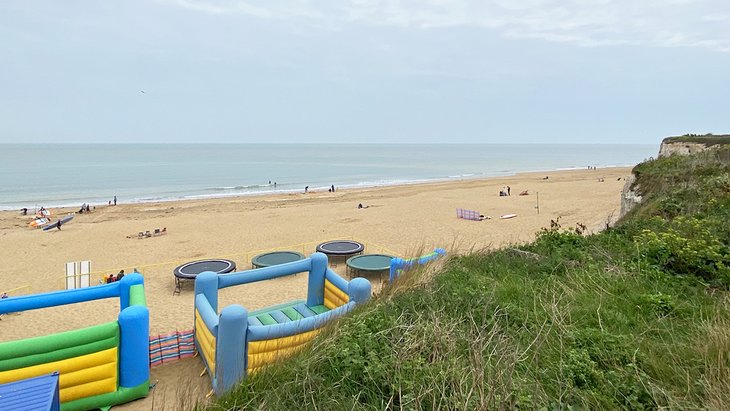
(319, 309)
(136, 295)
(62, 354)
(105, 401)
(49, 348)
(292, 314)
(267, 319)
(274, 308)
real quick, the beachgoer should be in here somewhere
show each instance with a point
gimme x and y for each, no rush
(120, 275)
(58, 225)
(24, 211)
(306, 189)
(333, 188)
(269, 182)
(508, 190)
(359, 205)
(546, 177)
(115, 200)
(88, 209)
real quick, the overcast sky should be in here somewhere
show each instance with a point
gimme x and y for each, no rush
(414, 71)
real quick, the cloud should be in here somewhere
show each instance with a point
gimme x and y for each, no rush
(588, 23)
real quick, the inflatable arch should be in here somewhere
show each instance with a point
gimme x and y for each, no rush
(236, 342)
(98, 366)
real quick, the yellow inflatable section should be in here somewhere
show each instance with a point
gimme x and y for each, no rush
(80, 377)
(333, 296)
(206, 341)
(261, 353)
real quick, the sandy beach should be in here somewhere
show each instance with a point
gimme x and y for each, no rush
(400, 220)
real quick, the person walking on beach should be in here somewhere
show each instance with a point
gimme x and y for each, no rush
(115, 200)
(508, 190)
(306, 189)
(333, 188)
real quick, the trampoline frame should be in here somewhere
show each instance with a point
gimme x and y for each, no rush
(254, 260)
(335, 253)
(352, 269)
(180, 279)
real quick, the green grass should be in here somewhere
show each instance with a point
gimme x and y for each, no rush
(636, 317)
(707, 139)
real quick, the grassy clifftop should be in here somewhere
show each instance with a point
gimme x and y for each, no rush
(635, 317)
(706, 139)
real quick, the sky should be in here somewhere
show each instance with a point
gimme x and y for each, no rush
(355, 71)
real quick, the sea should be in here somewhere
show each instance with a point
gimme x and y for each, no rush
(56, 175)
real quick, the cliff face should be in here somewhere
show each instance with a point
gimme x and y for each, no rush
(683, 148)
(691, 143)
(683, 145)
(629, 198)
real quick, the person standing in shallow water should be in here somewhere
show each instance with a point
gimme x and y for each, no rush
(115, 200)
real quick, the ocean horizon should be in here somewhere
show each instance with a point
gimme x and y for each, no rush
(68, 175)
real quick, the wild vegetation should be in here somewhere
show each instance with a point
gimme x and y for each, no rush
(635, 317)
(707, 139)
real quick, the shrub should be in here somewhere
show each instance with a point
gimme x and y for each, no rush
(688, 246)
(660, 303)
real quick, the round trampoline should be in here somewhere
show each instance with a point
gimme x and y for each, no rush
(189, 271)
(369, 263)
(275, 258)
(340, 248)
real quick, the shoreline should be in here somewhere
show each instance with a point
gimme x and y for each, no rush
(345, 187)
